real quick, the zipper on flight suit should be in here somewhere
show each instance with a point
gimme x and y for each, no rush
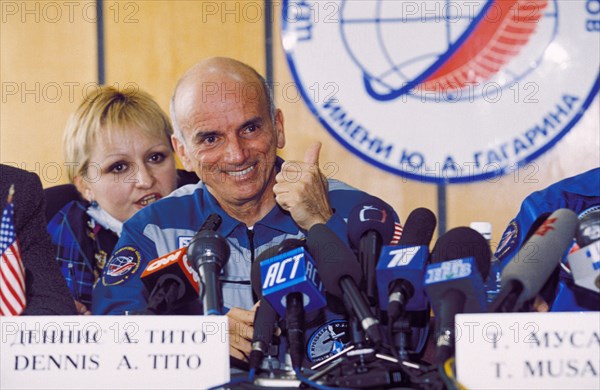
(250, 234)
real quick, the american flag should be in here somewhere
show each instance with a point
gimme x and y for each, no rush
(397, 233)
(12, 274)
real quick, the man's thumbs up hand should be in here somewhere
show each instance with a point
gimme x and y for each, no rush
(301, 189)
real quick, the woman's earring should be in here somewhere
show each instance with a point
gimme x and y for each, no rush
(90, 199)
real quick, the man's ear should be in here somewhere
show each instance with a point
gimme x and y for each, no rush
(279, 129)
(179, 147)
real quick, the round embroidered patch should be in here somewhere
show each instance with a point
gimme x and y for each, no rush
(121, 266)
(508, 242)
(328, 340)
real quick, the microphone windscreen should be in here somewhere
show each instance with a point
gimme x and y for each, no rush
(255, 279)
(208, 243)
(212, 222)
(541, 254)
(334, 259)
(548, 291)
(290, 243)
(462, 242)
(535, 226)
(372, 214)
(418, 228)
(589, 229)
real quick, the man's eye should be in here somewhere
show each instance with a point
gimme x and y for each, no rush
(250, 129)
(211, 139)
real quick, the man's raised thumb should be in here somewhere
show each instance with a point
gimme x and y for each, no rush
(311, 156)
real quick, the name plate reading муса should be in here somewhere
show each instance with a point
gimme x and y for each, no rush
(528, 350)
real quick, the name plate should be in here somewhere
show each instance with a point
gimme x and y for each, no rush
(528, 350)
(133, 352)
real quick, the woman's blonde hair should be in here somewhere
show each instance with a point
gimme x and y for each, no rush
(107, 110)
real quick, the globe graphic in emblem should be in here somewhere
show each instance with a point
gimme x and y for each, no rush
(120, 265)
(458, 48)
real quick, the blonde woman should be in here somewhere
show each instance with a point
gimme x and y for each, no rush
(119, 144)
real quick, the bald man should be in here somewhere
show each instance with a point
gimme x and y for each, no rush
(228, 131)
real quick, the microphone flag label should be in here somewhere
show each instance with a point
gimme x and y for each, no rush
(585, 266)
(460, 274)
(449, 270)
(292, 271)
(175, 261)
(402, 262)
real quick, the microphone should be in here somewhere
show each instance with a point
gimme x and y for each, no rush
(401, 268)
(212, 223)
(170, 280)
(585, 267)
(589, 229)
(549, 289)
(265, 316)
(291, 284)
(208, 252)
(527, 272)
(370, 225)
(454, 282)
(341, 273)
(582, 292)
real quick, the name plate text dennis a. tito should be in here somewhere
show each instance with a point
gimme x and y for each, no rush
(108, 352)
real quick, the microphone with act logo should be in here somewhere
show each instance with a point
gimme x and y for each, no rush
(171, 281)
(266, 317)
(460, 262)
(370, 225)
(527, 272)
(291, 284)
(208, 252)
(341, 274)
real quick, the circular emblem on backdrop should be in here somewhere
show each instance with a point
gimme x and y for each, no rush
(121, 266)
(328, 340)
(445, 91)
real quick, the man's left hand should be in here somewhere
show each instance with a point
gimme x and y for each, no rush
(302, 189)
(241, 329)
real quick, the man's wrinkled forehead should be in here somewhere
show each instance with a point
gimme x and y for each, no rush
(230, 90)
(222, 79)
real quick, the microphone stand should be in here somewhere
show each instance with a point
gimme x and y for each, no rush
(361, 365)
